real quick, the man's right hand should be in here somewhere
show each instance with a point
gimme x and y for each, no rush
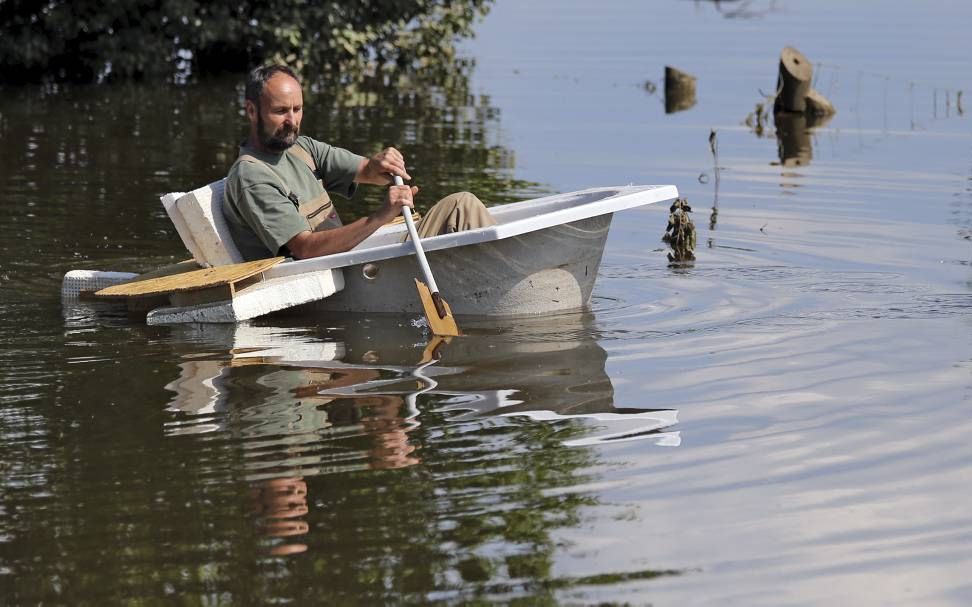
(398, 196)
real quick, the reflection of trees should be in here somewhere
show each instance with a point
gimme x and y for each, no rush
(448, 134)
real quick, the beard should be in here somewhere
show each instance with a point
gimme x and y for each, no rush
(279, 140)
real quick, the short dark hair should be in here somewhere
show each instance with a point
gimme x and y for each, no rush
(260, 75)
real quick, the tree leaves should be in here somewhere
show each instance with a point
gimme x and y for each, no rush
(93, 41)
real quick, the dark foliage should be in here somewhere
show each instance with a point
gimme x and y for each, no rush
(91, 40)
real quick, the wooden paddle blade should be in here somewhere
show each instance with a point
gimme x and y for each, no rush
(440, 325)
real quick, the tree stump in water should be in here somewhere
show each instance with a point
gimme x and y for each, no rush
(818, 105)
(680, 233)
(793, 83)
(679, 90)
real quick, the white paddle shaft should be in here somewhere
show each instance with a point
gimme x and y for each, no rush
(419, 252)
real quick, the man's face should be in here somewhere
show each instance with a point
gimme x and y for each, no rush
(278, 115)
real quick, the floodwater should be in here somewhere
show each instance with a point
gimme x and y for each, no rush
(783, 422)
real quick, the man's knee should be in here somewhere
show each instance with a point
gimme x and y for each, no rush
(464, 200)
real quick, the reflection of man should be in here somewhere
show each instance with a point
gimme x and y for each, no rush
(392, 448)
(276, 198)
(279, 502)
(377, 415)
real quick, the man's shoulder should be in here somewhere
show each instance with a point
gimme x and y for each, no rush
(246, 173)
(311, 145)
(248, 167)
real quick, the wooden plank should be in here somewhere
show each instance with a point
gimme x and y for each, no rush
(182, 267)
(190, 281)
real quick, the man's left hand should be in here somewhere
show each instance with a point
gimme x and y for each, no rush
(380, 168)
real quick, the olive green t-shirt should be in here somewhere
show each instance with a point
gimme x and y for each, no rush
(261, 218)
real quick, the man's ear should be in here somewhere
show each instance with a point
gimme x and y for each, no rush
(251, 110)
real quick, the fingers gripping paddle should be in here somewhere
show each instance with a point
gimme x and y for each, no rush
(437, 311)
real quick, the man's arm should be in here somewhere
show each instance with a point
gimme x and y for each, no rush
(338, 240)
(378, 169)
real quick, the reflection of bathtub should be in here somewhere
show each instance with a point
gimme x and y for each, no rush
(549, 370)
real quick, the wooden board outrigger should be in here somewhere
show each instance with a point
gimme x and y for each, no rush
(230, 293)
(205, 284)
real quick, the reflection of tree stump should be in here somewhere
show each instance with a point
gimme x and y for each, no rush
(793, 139)
(793, 83)
(679, 90)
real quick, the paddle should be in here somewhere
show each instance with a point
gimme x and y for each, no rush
(437, 311)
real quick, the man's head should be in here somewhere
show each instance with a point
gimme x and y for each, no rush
(274, 107)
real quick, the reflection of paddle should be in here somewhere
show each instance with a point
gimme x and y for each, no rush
(437, 311)
(432, 349)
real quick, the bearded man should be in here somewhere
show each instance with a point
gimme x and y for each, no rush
(276, 199)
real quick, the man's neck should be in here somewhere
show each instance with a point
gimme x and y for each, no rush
(254, 144)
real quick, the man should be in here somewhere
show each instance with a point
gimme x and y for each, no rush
(276, 199)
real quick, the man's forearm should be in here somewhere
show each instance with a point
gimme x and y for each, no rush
(336, 240)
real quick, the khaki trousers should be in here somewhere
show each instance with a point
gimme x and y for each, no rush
(454, 213)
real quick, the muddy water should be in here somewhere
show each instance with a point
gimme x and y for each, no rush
(784, 421)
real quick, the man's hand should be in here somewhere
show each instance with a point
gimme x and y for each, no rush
(398, 196)
(379, 168)
(338, 240)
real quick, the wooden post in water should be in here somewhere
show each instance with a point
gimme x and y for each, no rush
(793, 83)
(679, 90)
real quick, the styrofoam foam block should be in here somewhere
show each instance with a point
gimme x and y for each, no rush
(202, 212)
(76, 281)
(257, 300)
(182, 228)
(271, 342)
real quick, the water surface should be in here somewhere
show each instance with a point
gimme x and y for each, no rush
(783, 422)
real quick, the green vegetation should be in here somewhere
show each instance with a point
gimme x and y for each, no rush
(93, 41)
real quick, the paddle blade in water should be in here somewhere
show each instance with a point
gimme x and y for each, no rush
(441, 322)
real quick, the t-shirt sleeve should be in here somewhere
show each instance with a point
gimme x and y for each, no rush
(338, 167)
(267, 210)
